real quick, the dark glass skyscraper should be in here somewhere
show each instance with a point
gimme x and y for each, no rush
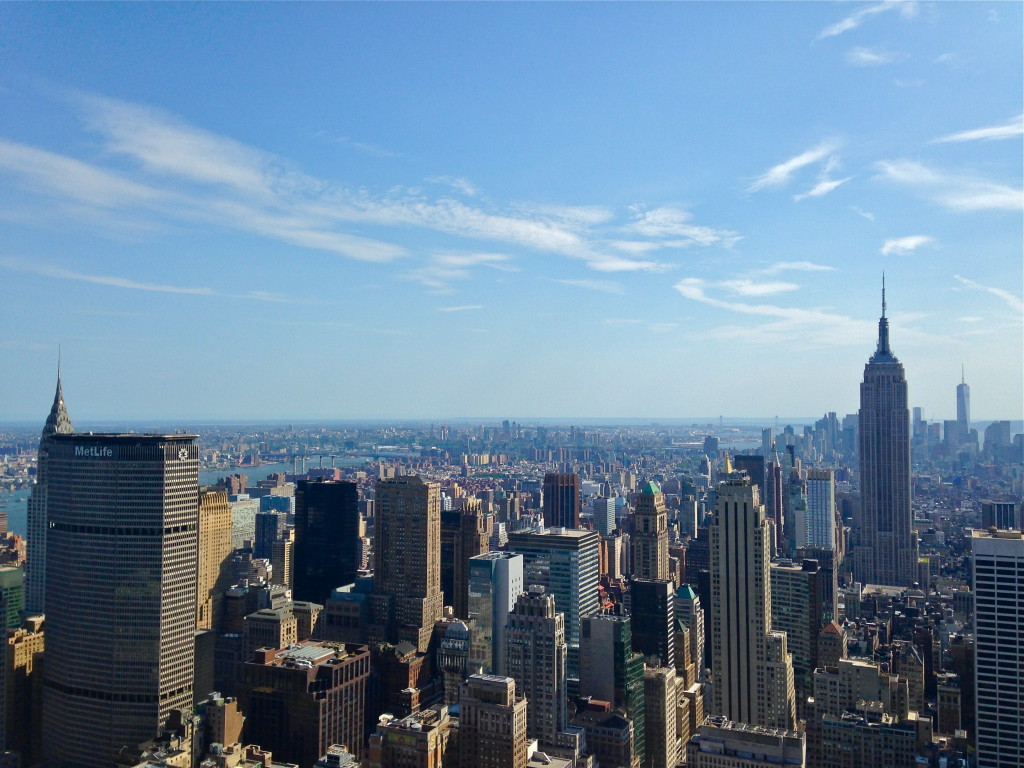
(122, 515)
(326, 550)
(887, 552)
(562, 501)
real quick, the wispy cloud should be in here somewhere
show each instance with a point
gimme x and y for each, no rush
(48, 270)
(458, 183)
(1009, 130)
(904, 246)
(172, 172)
(463, 308)
(113, 281)
(798, 266)
(864, 214)
(950, 190)
(822, 188)
(866, 57)
(671, 222)
(745, 287)
(1013, 301)
(781, 174)
(907, 8)
(815, 326)
(825, 183)
(604, 286)
(444, 268)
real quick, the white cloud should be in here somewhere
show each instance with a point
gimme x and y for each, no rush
(865, 214)
(865, 57)
(746, 287)
(970, 319)
(663, 327)
(800, 266)
(953, 191)
(822, 188)
(904, 246)
(1013, 301)
(807, 327)
(444, 268)
(1009, 130)
(458, 183)
(113, 281)
(603, 286)
(781, 174)
(670, 221)
(177, 173)
(463, 308)
(907, 8)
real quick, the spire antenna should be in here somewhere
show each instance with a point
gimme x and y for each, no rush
(883, 294)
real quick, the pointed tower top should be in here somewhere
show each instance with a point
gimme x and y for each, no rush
(882, 352)
(58, 422)
(727, 466)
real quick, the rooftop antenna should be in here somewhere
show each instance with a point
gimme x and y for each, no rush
(883, 294)
(962, 380)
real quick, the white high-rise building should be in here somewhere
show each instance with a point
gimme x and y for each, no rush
(604, 516)
(752, 670)
(819, 521)
(495, 581)
(998, 582)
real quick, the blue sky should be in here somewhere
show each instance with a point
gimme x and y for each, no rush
(343, 210)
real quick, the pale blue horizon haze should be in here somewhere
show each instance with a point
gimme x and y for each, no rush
(433, 210)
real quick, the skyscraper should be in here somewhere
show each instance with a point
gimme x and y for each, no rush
(566, 564)
(998, 581)
(407, 549)
(751, 667)
(562, 500)
(57, 423)
(963, 408)
(887, 553)
(817, 527)
(465, 533)
(650, 534)
(121, 582)
(214, 559)
(492, 723)
(326, 549)
(495, 581)
(535, 656)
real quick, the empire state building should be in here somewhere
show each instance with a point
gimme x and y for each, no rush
(887, 552)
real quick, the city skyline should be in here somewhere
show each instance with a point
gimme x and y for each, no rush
(521, 198)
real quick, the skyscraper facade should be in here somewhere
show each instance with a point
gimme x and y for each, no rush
(407, 548)
(465, 533)
(492, 723)
(998, 582)
(122, 512)
(214, 559)
(562, 500)
(535, 656)
(650, 534)
(495, 581)
(751, 667)
(326, 550)
(963, 409)
(887, 553)
(57, 423)
(818, 526)
(565, 562)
